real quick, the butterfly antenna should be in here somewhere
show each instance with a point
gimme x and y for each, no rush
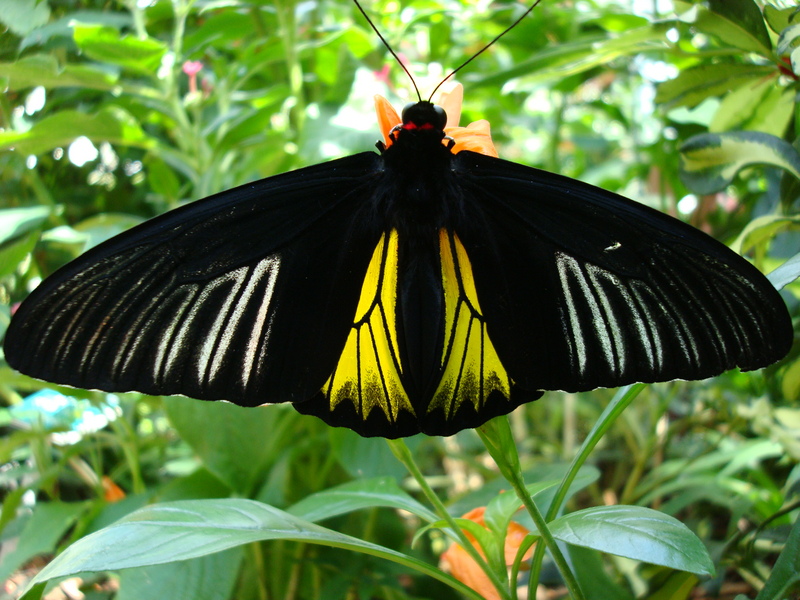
(479, 52)
(392, 52)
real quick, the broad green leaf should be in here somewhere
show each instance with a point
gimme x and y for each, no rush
(43, 531)
(736, 22)
(559, 61)
(592, 574)
(357, 495)
(696, 84)
(761, 230)
(367, 458)
(211, 577)
(63, 27)
(794, 58)
(16, 222)
(756, 106)
(789, 39)
(710, 161)
(162, 179)
(635, 532)
(790, 381)
(262, 434)
(12, 254)
(60, 129)
(786, 273)
(778, 19)
(106, 45)
(678, 586)
(45, 70)
(23, 16)
(99, 228)
(784, 580)
(176, 531)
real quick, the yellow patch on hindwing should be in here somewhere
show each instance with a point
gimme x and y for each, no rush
(368, 371)
(471, 369)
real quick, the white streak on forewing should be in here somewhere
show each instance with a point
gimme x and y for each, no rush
(210, 358)
(640, 290)
(595, 274)
(121, 304)
(268, 266)
(642, 330)
(573, 331)
(170, 344)
(566, 265)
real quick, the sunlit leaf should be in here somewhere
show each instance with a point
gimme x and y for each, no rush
(638, 533)
(710, 161)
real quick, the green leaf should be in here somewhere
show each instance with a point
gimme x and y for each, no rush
(760, 106)
(111, 124)
(162, 179)
(16, 222)
(367, 458)
(678, 586)
(786, 273)
(761, 230)
(741, 25)
(710, 161)
(778, 19)
(357, 495)
(177, 531)
(784, 580)
(106, 45)
(12, 254)
(789, 39)
(694, 85)
(591, 573)
(63, 27)
(44, 70)
(262, 434)
(211, 577)
(558, 61)
(42, 532)
(23, 16)
(635, 532)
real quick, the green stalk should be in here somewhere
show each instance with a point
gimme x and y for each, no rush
(496, 436)
(403, 454)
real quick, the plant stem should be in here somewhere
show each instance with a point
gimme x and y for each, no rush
(505, 456)
(403, 454)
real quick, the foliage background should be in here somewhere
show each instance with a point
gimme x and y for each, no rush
(102, 128)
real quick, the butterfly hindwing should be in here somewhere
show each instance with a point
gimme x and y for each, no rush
(583, 288)
(245, 296)
(381, 386)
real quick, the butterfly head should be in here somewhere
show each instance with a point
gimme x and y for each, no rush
(424, 115)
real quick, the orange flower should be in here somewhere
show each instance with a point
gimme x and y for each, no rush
(112, 492)
(475, 136)
(460, 564)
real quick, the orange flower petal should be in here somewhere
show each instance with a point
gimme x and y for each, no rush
(111, 491)
(460, 564)
(388, 118)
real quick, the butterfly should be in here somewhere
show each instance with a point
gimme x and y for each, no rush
(426, 288)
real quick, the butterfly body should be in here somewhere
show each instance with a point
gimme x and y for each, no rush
(420, 289)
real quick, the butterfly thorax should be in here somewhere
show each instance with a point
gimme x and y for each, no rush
(421, 191)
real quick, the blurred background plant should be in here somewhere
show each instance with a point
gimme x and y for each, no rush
(116, 112)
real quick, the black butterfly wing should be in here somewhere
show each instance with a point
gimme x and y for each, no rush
(582, 288)
(247, 295)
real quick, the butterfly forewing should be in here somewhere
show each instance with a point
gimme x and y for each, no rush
(582, 288)
(245, 296)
